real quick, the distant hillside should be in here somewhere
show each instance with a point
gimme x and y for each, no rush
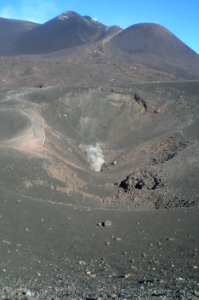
(140, 51)
(65, 31)
(10, 30)
(155, 46)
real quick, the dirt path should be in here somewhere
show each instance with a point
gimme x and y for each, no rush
(32, 139)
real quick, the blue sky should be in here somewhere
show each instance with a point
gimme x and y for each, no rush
(179, 16)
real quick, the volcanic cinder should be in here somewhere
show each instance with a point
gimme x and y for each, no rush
(99, 161)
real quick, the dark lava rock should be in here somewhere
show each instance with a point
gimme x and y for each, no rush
(142, 179)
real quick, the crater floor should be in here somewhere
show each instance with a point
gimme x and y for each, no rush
(72, 158)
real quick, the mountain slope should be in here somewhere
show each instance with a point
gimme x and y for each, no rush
(65, 31)
(10, 30)
(155, 46)
(138, 52)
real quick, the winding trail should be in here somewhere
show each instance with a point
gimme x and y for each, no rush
(32, 139)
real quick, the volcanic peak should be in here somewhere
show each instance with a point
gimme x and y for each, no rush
(67, 15)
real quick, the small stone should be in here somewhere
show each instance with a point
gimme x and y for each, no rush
(106, 223)
(113, 296)
(128, 275)
(170, 239)
(180, 279)
(156, 262)
(82, 262)
(118, 239)
(134, 268)
(157, 293)
(196, 293)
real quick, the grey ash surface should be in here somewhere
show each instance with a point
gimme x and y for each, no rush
(59, 252)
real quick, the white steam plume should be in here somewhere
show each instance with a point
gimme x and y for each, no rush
(94, 155)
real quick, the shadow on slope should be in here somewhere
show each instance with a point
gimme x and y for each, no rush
(63, 32)
(11, 30)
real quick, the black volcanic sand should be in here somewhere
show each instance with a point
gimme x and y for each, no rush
(55, 250)
(54, 241)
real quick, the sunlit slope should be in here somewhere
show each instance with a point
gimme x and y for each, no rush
(155, 46)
